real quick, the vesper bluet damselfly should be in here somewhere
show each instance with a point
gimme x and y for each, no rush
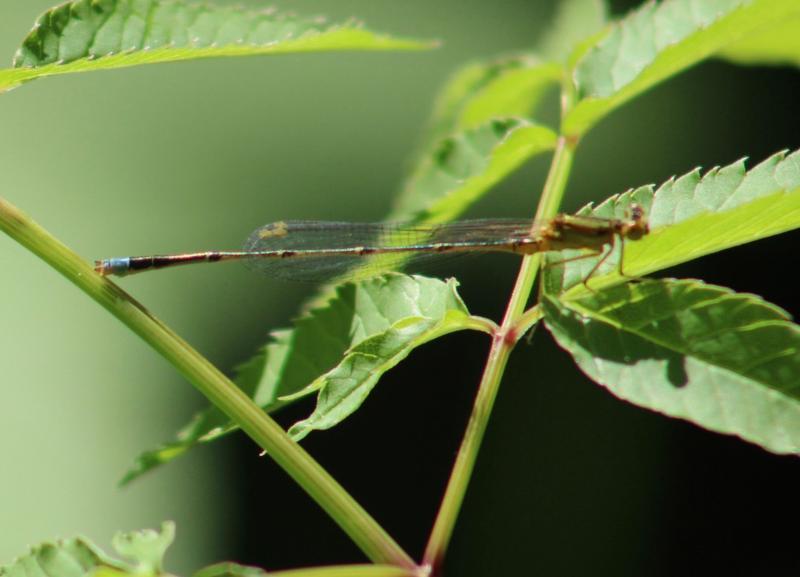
(314, 250)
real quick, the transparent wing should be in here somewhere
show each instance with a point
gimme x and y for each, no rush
(317, 250)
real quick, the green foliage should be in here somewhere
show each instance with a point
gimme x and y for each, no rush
(230, 570)
(87, 35)
(512, 86)
(473, 144)
(728, 362)
(338, 350)
(459, 170)
(660, 40)
(147, 547)
(777, 45)
(692, 216)
(475, 141)
(68, 558)
(80, 558)
(725, 361)
(464, 167)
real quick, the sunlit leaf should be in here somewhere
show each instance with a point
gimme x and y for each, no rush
(692, 216)
(512, 86)
(778, 45)
(87, 35)
(338, 350)
(659, 40)
(725, 361)
(465, 166)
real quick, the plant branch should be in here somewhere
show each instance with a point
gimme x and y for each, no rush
(528, 320)
(504, 340)
(341, 571)
(370, 537)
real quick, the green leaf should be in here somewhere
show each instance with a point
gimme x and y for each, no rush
(365, 328)
(464, 166)
(512, 86)
(80, 558)
(146, 547)
(228, 569)
(779, 45)
(659, 40)
(689, 217)
(343, 389)
(402, 313)
(87, 35)
(66, 558)
(725, 361)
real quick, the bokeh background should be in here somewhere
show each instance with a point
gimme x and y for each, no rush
(194, 155)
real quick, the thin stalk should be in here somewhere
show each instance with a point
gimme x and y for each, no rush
(347, 571)
(528, 320)
(504, 340)
(370, 537)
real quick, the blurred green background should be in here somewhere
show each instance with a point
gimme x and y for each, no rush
(195, 155)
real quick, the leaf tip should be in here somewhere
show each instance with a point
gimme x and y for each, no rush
(299, 430)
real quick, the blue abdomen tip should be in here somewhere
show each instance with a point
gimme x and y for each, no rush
(117, 266)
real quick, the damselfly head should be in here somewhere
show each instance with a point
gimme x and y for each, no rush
(636, 225)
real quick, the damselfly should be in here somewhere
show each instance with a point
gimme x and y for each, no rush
(312, 250)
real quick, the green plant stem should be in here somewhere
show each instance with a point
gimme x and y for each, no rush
(528, 320)
(370, 537)
(347, 571)
(503, 342)
(482, 324)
